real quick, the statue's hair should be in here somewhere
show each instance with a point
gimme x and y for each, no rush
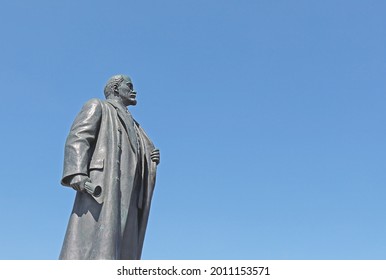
(112, 84)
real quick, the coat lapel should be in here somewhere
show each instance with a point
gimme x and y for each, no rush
(129, 128)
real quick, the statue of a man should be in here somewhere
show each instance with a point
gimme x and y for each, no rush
(107, 148)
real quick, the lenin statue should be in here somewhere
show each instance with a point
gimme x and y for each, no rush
(108, 150)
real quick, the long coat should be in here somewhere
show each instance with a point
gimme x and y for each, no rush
(114, 151)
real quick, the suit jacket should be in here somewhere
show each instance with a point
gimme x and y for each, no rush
(100, 146)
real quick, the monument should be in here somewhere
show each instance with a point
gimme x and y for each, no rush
(111, 163)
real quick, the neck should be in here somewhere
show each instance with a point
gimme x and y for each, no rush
(117, 99)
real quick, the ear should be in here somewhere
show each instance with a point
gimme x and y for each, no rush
(115, 89)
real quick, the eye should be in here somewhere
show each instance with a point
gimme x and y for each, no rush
(130, 85)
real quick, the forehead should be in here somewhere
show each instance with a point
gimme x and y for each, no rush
(127, 79)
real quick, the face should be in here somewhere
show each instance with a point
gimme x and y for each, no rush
(127, 93)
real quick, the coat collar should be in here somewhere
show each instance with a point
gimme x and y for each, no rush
(117, 104)
(122, 115)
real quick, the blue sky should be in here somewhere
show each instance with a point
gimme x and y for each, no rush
(269, 116)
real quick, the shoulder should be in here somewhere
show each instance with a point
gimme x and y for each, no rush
(94, 102)
(93, 105)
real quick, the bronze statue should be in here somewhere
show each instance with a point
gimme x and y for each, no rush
(111, 163)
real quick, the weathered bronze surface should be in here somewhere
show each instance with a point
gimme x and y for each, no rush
(111, 163)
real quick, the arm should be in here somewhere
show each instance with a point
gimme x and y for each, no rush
(79, 144)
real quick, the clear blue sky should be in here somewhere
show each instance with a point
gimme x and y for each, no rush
(270, 117)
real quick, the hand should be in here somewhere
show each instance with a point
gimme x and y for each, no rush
(155, 156)
(77, 182)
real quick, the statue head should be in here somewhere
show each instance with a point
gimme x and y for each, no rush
(120, 87)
